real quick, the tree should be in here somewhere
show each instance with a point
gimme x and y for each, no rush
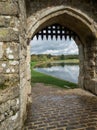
(62, 57)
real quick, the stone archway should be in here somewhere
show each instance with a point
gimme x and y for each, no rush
(19, 20)
(83, 26)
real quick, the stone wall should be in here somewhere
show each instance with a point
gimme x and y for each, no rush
(13, 72)
(89, 7)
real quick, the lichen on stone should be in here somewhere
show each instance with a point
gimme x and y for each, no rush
(2, 86)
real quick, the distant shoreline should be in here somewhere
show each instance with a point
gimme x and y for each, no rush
(67, 62)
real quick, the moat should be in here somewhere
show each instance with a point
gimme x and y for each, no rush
(62, 71)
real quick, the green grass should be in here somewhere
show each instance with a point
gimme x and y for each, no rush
(38, 77)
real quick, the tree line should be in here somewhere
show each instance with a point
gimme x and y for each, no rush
(45, 57)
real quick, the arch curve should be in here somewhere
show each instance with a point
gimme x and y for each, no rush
(67, 16)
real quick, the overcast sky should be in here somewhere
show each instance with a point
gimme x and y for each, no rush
(54, 47)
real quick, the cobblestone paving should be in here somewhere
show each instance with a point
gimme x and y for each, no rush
(58, 109)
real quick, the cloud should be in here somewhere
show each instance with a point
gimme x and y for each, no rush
(54, 47)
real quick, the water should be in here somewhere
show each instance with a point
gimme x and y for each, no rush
(66, 72)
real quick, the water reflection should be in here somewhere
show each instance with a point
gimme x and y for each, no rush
(65, 72)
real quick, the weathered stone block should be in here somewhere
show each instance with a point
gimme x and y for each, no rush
(8, 34)
(9, 80)
(9, 67)
(9, 50)
(8, 8)
(10, 107)
(9, 94)
(11, 123)
(9, 21)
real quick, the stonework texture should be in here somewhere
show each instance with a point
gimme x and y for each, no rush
(13, 74)
(19, 21)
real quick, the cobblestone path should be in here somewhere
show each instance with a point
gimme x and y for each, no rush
(58, 109)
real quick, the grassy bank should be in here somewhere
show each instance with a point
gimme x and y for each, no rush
(68, 61)
(38, 77)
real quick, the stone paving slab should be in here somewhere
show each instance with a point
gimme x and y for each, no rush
(58, 109)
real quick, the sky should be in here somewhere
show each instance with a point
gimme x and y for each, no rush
(53, 47)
